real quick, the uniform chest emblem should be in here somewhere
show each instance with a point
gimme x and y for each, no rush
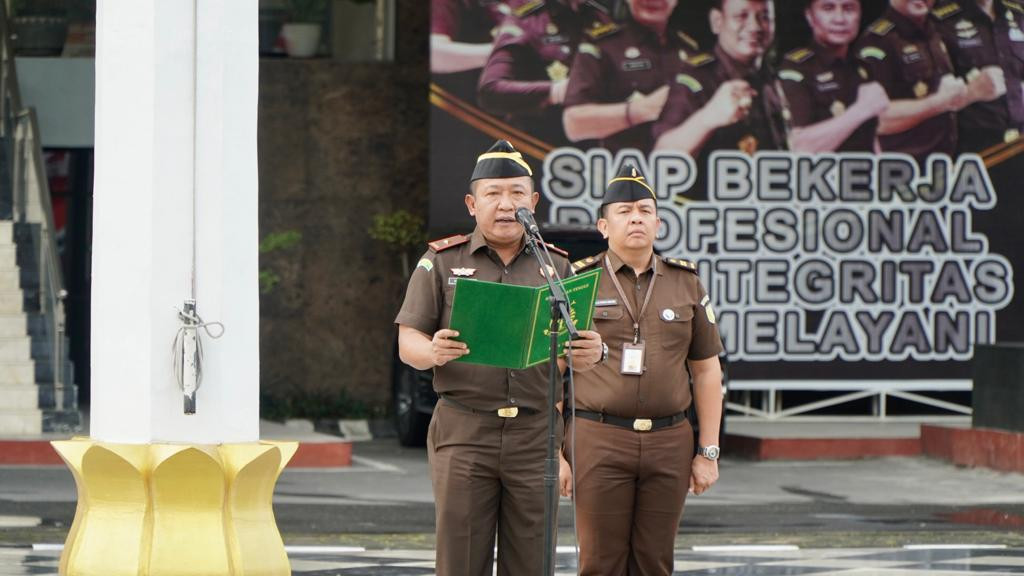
(668, 315)
(463, 271)
(965, 29)
(911, 54)
(632, 52)
(837, 108)
(557, 71)
(920, 89)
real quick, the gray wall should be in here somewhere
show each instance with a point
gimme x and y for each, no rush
(339, 142)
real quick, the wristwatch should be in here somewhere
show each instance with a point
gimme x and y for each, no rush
(604, 353)
(710, 452)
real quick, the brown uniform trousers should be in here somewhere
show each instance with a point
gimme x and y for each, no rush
(478, 461)
(630, 491)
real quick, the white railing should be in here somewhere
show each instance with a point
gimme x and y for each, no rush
(772, 407)
(23, 174)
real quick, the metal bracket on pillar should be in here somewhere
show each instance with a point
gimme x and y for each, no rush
(188, 352)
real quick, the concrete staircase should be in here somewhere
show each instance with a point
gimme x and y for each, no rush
(28, 395)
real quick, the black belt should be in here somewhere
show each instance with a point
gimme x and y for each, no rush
(506, 412)
(637, 424)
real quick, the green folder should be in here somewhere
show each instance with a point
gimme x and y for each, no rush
(508, 326)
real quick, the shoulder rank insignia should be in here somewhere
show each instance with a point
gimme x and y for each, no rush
(510, 30)
(702, 59)
(871, 52)
(881, 27)
(946, 10)
(679, 263)
(791, 75)
(799, 55)
(598, 30)
(1015, 6)
(528, 8)
(585, 263)
(426, 264)
(690, 82)
(443, 244)
(687, 39)
(556, 249)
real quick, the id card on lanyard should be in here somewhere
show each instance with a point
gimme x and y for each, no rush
(634, 354)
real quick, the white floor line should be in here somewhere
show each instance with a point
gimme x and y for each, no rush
(323, 549)
(954, 547)
(375, 464)
(748, 548)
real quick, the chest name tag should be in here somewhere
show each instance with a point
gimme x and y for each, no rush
(608, 302)
(636, 65)
(452, 280)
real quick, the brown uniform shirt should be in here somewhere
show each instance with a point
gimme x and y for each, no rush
(618, 62)
(428, 308)
(975, 41)
(909, 61)
(693, 88)
(818, 86)
(535, 48)
(677, 325)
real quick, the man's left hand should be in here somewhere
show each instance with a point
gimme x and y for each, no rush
(703, 473)
(586, 351)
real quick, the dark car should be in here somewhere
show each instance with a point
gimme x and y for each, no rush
(412, 390)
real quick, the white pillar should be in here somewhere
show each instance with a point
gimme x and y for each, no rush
(150, 95)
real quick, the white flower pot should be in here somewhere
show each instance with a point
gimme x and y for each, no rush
(301, 40)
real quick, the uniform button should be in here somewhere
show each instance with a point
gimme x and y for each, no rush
(511, 374)
(506, 270)
(512, 401)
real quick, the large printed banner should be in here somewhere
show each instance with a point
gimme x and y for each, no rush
(847, 174)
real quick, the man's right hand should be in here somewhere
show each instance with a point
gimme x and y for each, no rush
(443, 349)
(872, 99)
(952, 93)
(731, 103)
(647, 108)
(987, 85)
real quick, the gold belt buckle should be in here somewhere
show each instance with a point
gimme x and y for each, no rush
(1011, 135)
(643, 424)
(509, 412)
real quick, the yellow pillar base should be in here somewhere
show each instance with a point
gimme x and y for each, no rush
(174, 509)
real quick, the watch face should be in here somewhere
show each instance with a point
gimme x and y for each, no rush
(710, 452)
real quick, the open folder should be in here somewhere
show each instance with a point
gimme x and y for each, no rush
(509, 326)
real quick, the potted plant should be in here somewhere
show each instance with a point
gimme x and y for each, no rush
(301, 34)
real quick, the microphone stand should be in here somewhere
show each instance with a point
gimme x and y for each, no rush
(559, 310)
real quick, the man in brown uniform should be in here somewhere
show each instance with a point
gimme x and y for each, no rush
(831, 107)
(633, 444)
(985, 40)
(726, 100)
(528, 71)
(903, 51)
(488, 437)
(619, 78)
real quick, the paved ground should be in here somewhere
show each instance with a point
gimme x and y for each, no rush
(847, 517)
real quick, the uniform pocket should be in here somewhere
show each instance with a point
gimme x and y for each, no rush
(608, 313)
(676, 326)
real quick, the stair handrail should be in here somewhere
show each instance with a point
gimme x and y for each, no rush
(31, 201)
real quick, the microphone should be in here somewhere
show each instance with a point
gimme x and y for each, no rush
(525, 217)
